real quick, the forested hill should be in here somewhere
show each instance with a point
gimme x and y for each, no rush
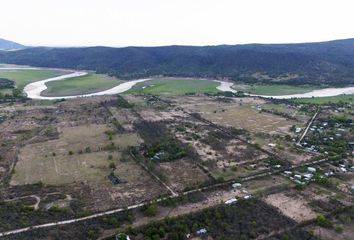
(330, 63)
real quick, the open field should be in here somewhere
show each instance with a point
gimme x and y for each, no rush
(75, 156)
(241, 113)
(183, 174)
(25, 76)
(308, 203)
(81, 85)
(286, 110)
(273, 89)
(222, 155)
(326, 100)
(175, 86)
(295, 207)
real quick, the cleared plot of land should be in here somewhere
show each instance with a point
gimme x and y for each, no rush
(182, 173)
(175, 86)
(76, 156)
(139, 186)
(267, 184)
(241, 114)
(250, 119)
(286, 110)
(282, 148)
(295, 207)
(227, 159)
(125, 117)
(273, 89)
(81, 85)
(24, 76)
(220, 153)
(59, 170)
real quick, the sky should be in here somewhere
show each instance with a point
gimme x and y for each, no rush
(173, 22)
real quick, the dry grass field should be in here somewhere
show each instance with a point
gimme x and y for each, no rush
(182, 174)
(295, 207)
(239, 113)
(76, 156)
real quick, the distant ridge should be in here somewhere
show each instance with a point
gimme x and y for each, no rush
(9, 45)
(324, 63)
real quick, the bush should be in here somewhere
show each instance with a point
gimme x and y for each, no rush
(122, 103)
(323, 221)
(234, 168)
(112, 166)
(338, 229)
(151, 209)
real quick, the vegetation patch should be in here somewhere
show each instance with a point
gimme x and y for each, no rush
(175, 86)
(90, 83)
(25, 76)
(161, 146)
(325, 100)
(274, 89)
(244, 220)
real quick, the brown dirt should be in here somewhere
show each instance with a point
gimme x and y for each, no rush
(295, 207)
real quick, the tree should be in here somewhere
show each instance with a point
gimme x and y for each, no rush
(151, 209)
(293, 128)
(112, 166)
(16, 92)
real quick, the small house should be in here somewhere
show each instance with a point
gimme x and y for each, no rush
(231, 201)
(297, 130)
(343, 169)
(308, 175)
(297, 176)
(236, 185)
(201, 231)
(311, 169)
(247, 197)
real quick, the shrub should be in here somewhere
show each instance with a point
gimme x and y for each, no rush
(151, 209)
(323, 221)
(338, 229)
(112, 166)
(87, 149)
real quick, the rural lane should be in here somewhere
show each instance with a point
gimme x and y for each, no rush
(109, 212)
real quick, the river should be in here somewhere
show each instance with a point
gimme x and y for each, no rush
(34, 90)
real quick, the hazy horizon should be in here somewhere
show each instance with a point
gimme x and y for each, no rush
(118, 23)
(119, 46)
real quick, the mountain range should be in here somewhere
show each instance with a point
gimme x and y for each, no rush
(324, 63)
(9, 45)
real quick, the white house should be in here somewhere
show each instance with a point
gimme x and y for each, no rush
(231, 201)
(311, 169)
